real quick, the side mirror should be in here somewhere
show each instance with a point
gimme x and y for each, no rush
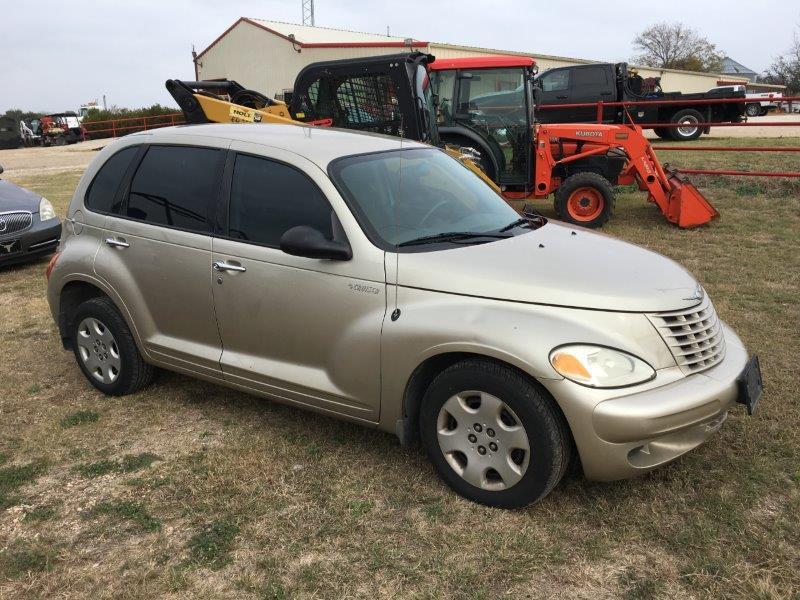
(310, 243)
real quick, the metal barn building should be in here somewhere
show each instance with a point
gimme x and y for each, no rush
(267, 55)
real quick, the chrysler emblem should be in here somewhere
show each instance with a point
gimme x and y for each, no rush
(3, 225)
(698, 294)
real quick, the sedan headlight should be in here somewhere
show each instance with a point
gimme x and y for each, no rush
(596, 366)
(46, 210)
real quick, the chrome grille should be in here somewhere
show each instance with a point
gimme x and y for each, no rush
(14, 222)
(694, 336)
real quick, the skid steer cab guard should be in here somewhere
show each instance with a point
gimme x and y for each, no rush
(388, 94)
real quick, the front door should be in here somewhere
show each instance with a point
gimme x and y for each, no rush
(302, 330)
(156, 255)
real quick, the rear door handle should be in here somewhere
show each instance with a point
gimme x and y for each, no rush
(221, 265)
(562, 97)
(115, 243)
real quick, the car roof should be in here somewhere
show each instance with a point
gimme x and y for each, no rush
(481, 62)
(320, 145)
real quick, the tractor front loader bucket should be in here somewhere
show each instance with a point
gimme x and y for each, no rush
(687, 206)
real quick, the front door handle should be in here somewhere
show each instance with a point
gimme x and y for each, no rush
(115, 243)
(221, 265)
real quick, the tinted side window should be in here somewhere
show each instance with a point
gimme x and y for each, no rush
(176, 186)
(557, 81)
(269, 198)
(103, 189)
(589, 76)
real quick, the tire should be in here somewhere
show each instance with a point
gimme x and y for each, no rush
(102, 343)
(528, 415)
(764, 112)
(753, 110)
(662, 132)
(585, 199)
(690, 115)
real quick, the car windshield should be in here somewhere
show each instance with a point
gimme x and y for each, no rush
(403, 196)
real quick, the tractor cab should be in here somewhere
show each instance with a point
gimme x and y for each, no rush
(486, 104)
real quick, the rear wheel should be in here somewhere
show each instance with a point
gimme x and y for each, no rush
(690, 128)
(753, 110)
(662, 132)
(585, 199)
(764, 111)
(493, 435)
(106, 351)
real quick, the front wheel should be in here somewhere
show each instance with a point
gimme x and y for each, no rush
(585, 199)
(493, 435)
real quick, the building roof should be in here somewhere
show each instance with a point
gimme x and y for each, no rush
(306, 36)
(731, 67)
(320, 145)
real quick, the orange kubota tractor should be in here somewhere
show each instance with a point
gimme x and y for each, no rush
(482, 110)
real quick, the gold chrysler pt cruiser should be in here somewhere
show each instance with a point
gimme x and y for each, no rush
(380, 281)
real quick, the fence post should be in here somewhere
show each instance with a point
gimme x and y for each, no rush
(600, 111)
(113, 128)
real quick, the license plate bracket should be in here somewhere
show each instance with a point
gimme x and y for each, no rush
(10, 247)
(751, 385)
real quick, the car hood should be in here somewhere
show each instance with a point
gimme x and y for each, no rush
(558, 265)
(13, 197)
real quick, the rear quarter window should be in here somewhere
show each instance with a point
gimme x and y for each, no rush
(102, 193)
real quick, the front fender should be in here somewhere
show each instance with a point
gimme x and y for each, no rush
(522, 335)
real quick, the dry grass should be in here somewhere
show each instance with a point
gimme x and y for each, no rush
(208, 492)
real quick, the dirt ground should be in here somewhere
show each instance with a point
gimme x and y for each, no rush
(43, 160)
(756, 131)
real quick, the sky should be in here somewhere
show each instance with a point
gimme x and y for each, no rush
(126, 50)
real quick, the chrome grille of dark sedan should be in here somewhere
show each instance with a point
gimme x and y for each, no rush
(694, 336)
(14, 222)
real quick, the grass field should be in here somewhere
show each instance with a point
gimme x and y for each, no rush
(191, 490)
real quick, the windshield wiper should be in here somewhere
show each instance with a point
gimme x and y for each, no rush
(533, 220)
(451, 236)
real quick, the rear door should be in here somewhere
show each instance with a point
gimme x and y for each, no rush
(554, 84)
(592, 83)
(303, 330)
(156, 254)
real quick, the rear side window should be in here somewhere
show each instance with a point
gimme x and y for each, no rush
(176, 186)
(269, 198)
(103, 189)
(589, 76)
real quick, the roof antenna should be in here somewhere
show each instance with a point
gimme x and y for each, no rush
(396, 311)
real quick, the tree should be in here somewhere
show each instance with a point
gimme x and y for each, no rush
(785, 70)
(17, 114)
(676, 46)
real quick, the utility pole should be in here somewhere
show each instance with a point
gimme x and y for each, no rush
(308, 12)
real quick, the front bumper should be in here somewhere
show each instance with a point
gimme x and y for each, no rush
(39, 239)
(624, 436)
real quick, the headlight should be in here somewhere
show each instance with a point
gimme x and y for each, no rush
(46, 211)
(596, 366)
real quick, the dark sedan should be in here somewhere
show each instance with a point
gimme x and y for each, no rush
(29, 227)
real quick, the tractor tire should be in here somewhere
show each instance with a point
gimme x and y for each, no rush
(585, 199)
(691, 131)
(753, 110)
